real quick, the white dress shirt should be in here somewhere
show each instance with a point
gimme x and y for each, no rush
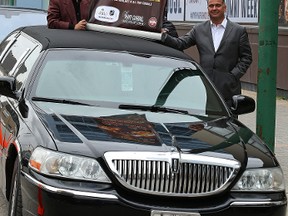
(217, 33)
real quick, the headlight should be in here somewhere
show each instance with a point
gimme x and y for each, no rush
(269, 179)
(64, 165)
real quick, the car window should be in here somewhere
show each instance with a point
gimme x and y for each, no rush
(4, 47)
(16, 54)
(5, 43)
(25, 67)
(124, 78)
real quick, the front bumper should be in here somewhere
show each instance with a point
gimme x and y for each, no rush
(42, 199)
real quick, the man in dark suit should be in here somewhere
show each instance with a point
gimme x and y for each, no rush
(68, 14)
(223, 46)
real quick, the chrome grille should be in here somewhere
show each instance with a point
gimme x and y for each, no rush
(155, 173)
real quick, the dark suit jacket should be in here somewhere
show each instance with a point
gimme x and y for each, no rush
(224, 67)
(61, 13)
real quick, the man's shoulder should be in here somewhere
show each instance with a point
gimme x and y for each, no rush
(234, 24)
(203, 24)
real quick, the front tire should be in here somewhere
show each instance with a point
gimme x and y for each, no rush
(15, 199)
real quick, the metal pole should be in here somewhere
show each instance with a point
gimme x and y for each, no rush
(267, 71)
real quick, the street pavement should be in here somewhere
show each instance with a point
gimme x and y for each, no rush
(281, 139)
(281, 132)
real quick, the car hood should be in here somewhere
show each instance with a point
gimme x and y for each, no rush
(92, 131)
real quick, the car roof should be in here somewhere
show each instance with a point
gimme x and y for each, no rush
(60, 38)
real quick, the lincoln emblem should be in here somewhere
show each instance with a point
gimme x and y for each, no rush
(175, 165)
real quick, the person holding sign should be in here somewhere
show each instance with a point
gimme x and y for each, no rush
(223, 46)
(68, 14)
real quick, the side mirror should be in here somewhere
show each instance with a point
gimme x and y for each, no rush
(242, 104)
(8, 86)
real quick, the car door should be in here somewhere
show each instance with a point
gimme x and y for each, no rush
(17, 58)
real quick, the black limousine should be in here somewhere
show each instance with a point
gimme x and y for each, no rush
(96, 123)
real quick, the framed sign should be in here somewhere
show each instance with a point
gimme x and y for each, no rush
(245, 11)
(196, 10)
(175, 10)
(242, 11)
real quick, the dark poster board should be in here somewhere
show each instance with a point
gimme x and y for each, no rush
(145, 15)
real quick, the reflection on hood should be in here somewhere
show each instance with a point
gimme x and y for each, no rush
(132, 127)
(137, 131)
(135, 128)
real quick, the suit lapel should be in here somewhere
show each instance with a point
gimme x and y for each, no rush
(208, 27)
(68, 7)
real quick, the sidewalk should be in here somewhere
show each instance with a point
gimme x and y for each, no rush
(281, 131)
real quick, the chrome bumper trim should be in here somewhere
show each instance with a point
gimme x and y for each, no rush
(68, 192)
(259, 203)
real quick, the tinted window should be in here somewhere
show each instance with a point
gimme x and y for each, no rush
(4, 46)
(17, 53)
(25, 67)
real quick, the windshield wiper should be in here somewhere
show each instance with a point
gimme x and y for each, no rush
(151, 108)
(53, 100)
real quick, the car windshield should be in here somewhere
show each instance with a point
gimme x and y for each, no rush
(123, 80)
(11, 19)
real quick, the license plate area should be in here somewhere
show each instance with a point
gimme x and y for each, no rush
(172, 213)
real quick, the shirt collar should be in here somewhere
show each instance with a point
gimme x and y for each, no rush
(223, 24)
